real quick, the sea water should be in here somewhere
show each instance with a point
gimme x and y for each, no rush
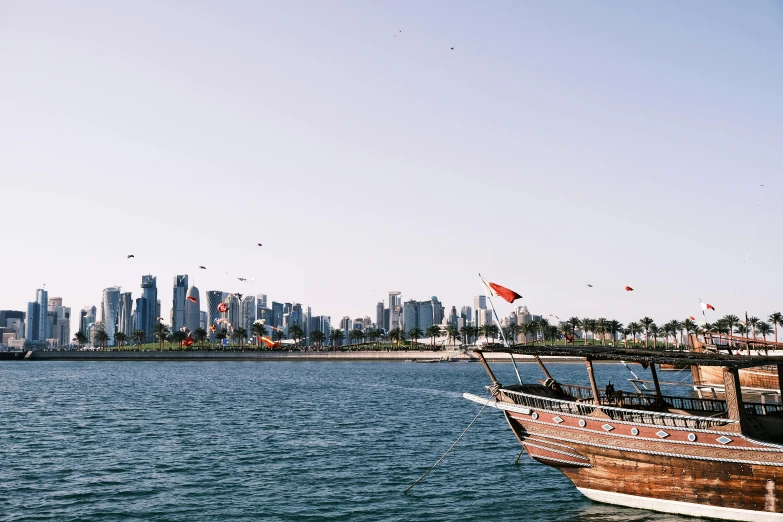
(288, 441)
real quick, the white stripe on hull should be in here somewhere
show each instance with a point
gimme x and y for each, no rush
(681, 508)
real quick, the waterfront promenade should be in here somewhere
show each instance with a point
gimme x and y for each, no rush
(271, 355)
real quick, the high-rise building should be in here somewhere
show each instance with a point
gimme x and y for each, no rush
(234, 310)
(192, 309)
(180, 292)
(379, 314)
(125, 314)
(410, 314)
(214, 298)
(142, 317)
(54, 302)
(426, 316)
(395, 300)
(203, 321)
(466, 314)
(247, 312)
(453, 317)
(88, 312)
(261, 300)
(438, 310)
(278, 309)
(33, 320)
(149, 291)
(479, 303)
(110, 308)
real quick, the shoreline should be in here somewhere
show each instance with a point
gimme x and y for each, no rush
(453, 356)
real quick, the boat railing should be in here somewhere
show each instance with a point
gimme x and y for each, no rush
(761, 409)
(616, 413)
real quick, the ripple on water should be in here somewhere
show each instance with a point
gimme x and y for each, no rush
(271, 441)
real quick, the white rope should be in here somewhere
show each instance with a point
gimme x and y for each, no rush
(451, 448)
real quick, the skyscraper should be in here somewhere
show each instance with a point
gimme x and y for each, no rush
(379, 315)
(234, 310)
(125, 314)
(248, 312)
(110, 307)
(214, 298)
(277, 314)
(203, 321)
(426, 316)
(410, 314)
(33, 319)
(192, 309)
(395, 301)
(149, 291)
(178, 304)
(479, 303)
(261, 300)
(142, 316)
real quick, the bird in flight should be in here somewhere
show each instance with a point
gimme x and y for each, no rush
(452, 48)
(260, 244)
(130, 256)
(203, 267)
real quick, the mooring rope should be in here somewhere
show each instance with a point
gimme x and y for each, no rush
(451, 448)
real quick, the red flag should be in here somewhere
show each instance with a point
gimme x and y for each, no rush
(707, 306)
(628, 289)
(505, 293)
(691, 318)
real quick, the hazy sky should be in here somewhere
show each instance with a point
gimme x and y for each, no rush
(558, 144)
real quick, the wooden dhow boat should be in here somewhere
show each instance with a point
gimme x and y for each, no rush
(760, 379)
(692, 456)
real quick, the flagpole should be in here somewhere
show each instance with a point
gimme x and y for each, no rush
(505, 342)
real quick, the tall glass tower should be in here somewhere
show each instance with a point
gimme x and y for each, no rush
(149, 291)
(178, 305)
(110, 311)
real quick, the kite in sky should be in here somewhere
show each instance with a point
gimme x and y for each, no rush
(242, 278)
(191, 298)
(628, 289)
(130, 256)
(222, 308)
(589, 286)
(691, 318)
(203, 267)
(260, 244)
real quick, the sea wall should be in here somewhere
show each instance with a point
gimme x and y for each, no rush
(203, 355)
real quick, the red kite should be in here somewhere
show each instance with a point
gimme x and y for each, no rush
(691, 318)
(193, 299)
(212, 328)
(628, 289)
(222, 308)
(188, 341)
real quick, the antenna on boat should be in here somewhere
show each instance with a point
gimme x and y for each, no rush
(505, 342)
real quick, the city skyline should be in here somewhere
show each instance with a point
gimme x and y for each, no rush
(554, 147)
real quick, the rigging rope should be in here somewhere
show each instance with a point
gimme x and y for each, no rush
(451, 448)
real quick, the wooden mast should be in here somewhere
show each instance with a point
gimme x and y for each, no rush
(593, 385)
(734, 406)
(658, 394)
(488, 369)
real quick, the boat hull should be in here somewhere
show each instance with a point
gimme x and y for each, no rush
(750, 378)
(668, 476)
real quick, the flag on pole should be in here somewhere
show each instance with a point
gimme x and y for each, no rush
(506, 293)
(707, 306)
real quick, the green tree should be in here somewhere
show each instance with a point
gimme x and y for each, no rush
(258, 329)
(614, 327)
(278, 335)
(494, 331)
(200, 335)
(336, 336)
(178, 337)
(296, 333)
(161, 331)
(575, 324)
(626, 332)
(80, 339)
(101, 337)
(139, 336)
(394, 335)
(646, 323)
(776, 319)
(752, 323)
(415, 334)
(239, 335)
(590, 325)
(120, 337)
(220, 335)
(730, 320)
(452, 333)
(530, 329)
(690, 327)
(634, 327)
(764, 329)
(355, 336)
(433, 332)
(655, 331)
(542, 325)
(513, 331)
(317, 337)
(602, 327)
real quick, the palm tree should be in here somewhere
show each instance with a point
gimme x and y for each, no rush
(530, 329)
(543, 324)
(484, 330)
(200, 335)
(240, 334)
(626, 332)
(655, 331)
(433, 332)
(336, 336)
(258, 329)
(585, 326)
(601, 326)
(553, 331)
(591, 326)
(161, 331)
(101, 337)
(120, 337)
(634, 327)
(317, 337)
(178, 337)
(221, 334)
(451, 333)
(690, 327)
(575, 325)
(80, 339)
(730, 320)
(414, 334)
(764, 329)
(677, 327)
(512, 330)
(752, 323)
(394, 335)
(646, 323)
(494, 331)
(669, 329)
(614, 327)
(355, 335)
(278, 335)
(139, 336)
(296, 333)
(776, 319)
